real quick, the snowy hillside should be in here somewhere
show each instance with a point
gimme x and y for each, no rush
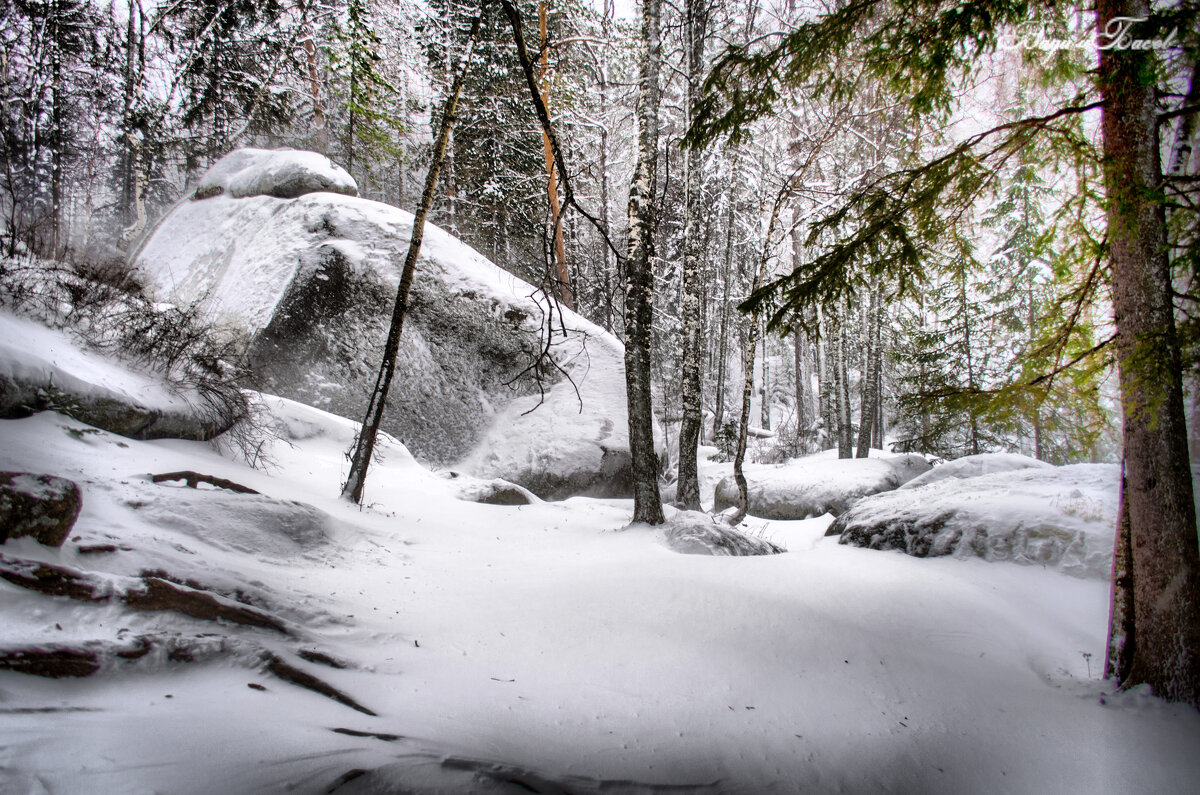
(478, 648)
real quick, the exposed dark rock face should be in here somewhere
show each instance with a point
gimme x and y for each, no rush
(457, 356)
(51, 580)
(113, 413)
(156, 594)
(42, 506)
(54, 662)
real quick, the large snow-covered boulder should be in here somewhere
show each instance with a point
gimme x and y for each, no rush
(818, 484)
(1059, 517)
(311, 281)
(972, 466)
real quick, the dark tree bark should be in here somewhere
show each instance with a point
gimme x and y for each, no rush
(842, 379)
(364, 445)
(799, 344)
(765, 391)
(826, 378)
(639, 279)
(1158, 488)
(1121, 629)
(688, 489)
(727, 278)
(870, 381)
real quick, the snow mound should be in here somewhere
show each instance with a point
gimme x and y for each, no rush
(1057, 517)
(248, 523)
(283, 173)
(697, 533)
(310, 282)
(817, 484)
(972, 466)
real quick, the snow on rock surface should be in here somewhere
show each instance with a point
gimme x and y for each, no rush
(311, 281)
(699, 533)
(44, 368)
(284, 174)
(971, 466)
(1057, 517)
(819, 483)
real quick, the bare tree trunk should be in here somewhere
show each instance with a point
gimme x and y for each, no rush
(801, 372)
(364, 445)
(739, 456)
(59, 137)
(845, 432)
(826, 378)
(688, 489)
(320, 139)
(1121, 628)
(560, 250)
(727, 277)
(639, 279)
(765, 392)
(1158, 492)
(602, 69)
(128, 161)
(760, 272)
(870, 394)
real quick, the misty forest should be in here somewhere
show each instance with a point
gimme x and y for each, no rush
(582, 396)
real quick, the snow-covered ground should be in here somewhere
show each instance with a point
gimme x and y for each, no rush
(544, 647)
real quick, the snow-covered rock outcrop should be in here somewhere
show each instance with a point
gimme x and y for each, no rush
(818, 484)
(972, 466)
(44, 369)
(1060, 517)
(311, 280)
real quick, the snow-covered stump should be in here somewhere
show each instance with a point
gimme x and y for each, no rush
(818, 484)
(1057, 517)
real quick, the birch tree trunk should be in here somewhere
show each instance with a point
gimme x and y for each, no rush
(639, 279)
(1158, 486)
(364, 445)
